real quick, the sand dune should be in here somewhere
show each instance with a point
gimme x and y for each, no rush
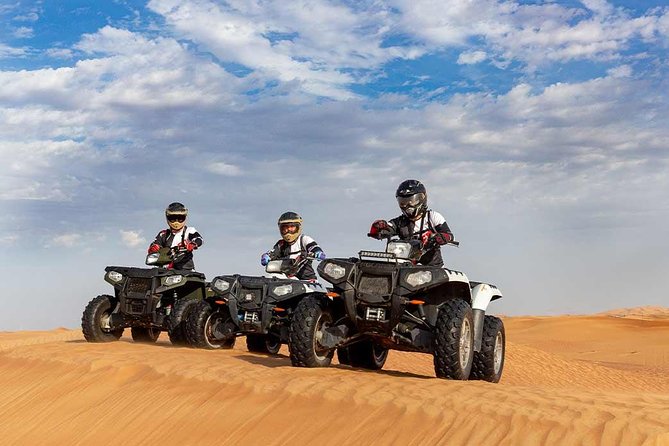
(567, 380)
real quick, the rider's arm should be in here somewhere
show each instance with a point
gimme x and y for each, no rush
(443, 232)
(158, 242)
(312, 248)
(194, 237)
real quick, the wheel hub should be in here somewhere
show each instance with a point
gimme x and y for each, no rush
(465, 343)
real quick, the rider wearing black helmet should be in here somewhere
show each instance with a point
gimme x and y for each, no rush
(178, 235)
(416, 222)
(295, 245)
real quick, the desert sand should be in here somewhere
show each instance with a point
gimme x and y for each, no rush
(600, 379)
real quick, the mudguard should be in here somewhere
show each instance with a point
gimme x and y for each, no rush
(482, 294)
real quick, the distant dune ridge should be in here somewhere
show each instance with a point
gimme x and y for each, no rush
(567, 380)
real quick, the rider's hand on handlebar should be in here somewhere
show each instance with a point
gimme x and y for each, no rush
(319, 255)
(264, 259)
(379, 229)
(190, 246)
(155, 247)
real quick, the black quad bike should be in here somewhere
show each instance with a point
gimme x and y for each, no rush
(259, 307)
(148, 300)
(384, 300)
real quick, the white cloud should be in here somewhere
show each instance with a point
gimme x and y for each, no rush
(221, 168)
(9, 51)
(132, 238)
(321, 39)
(535, 34)
(471, 57)
(66, 240)
(23, 32)
(8, 240)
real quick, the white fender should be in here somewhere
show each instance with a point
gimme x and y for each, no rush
(456, 276)
(482, 294)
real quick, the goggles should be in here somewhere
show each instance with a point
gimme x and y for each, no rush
(411, 201)
(178, 218)
(289, 228)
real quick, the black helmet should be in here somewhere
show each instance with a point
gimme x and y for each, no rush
(176, 215)
(412, 198)
(290, 226)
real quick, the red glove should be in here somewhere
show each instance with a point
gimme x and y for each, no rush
(378, 228)
(190, 246)
(441, 238)
(425, 237)
(155, 247)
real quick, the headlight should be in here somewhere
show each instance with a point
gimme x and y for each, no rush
(173, 280)
(334, 271)
(152, 259)
(401, 250)
(221, 285)
(282, 290)
(115, 276)
(419, 278)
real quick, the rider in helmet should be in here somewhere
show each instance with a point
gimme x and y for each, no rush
(295, 245)
(416, 222)
(178, 235)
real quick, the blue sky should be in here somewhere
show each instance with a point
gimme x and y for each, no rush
(538, 127)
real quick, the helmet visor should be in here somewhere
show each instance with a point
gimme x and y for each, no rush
(179, 218)
(411, 201)
(289, 228)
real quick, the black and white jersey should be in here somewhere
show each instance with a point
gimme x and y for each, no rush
(407, 229)
(303, 246)
(168, 239)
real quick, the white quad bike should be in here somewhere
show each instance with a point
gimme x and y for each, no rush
(261, 308)
(384, 300)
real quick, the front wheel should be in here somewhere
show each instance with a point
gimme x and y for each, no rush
(210, 328)
(365, 355)
(489, 362)
(148, 335)
(176, 321)
(263, 343)
(454, 340)
(311, 317)
(96, 318)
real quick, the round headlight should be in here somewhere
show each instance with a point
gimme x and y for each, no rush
(282, 290)
(173, 280)
(115, 276)
(152, 259)
(334, 271)
(401, 250)
(221, 285)
(419, 278)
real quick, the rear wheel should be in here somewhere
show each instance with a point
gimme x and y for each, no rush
(96, 318)
(366, 355)
(454, 340)
(176, 321)
(210, 328)
(141, 334)
(489, 362)
(311, 317)
(263, 343)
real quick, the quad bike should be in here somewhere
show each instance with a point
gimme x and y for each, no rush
(259, 307)
(148, 300)
(384, 300)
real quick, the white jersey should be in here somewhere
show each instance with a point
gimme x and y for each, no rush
(180, 236)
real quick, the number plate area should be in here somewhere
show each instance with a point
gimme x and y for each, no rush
(375, 314)
(251, 317)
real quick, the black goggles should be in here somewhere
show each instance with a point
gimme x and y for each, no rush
(411, 201)
(176, 218)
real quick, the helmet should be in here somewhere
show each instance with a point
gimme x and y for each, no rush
(290, 226)
(412, 198)
(176, 215)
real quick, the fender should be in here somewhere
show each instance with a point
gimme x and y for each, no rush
(482, 294)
